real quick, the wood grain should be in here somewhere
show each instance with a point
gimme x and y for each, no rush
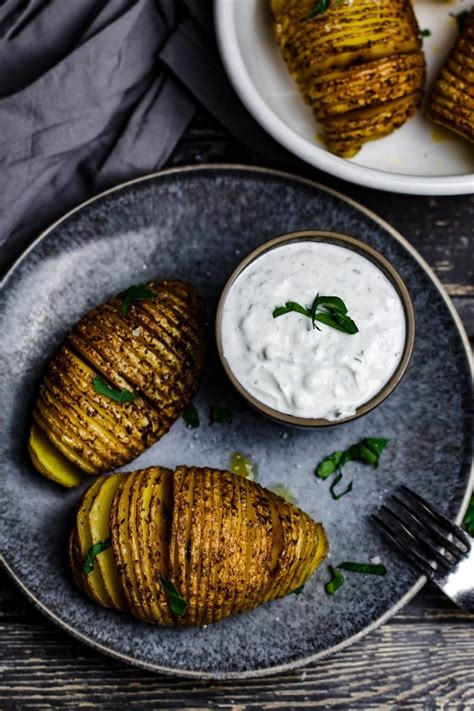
(422, 659)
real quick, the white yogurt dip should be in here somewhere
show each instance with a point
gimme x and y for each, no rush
(287, 364)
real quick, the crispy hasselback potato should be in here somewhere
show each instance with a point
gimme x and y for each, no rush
(452, 101)
(357, 63)
(191, 547)
(128, 370)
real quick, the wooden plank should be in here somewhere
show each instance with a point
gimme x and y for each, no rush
(395, 666)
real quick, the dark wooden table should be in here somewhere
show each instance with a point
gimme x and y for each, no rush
(422, 659)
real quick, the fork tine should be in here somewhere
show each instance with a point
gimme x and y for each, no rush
(424, 548)
(436, 516)
(442, 540)
(412, 555)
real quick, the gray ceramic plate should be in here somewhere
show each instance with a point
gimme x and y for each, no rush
(197, 224)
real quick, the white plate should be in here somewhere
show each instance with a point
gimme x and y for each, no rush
(420, 158)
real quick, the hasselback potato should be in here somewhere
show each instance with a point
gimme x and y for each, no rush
(357, 63)
(189, 547)
(127, 371)
(452, 101)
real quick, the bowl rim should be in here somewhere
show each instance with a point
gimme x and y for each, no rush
(347, 242)
(313, 154)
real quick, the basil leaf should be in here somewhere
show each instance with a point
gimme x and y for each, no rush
(177, 603)
(191, 417)
(469, 518)
(460, 18)
(334, 313)
(425, 33)
(338, 321)
(337, 580)
(297, 591)
(329, 465)
(320, 7)
(336, 481)
(92, 554)
(122, 396)
(367, 451)
(376, 444)
(220, 415)
(333, 303)
(134, 293)
(365, 568)
(335, 461)
(288, 308)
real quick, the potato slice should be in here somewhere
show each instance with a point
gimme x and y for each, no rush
(229, 569)
(93, 582)
(154, 521)
(303, 546)
(183, 496)
(99, 521)
(60, 424)
(212, 556)
(48, 460)
(53, 430)
(286, 558)
(243, 530)
(135, 543)
(119, 528)
(193, 549)
(260, 543)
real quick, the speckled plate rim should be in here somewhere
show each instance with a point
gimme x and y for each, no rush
(278, 669)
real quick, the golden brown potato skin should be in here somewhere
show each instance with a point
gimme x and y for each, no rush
(452, 101)
(226, 543)
(358, 64)
(156, 351)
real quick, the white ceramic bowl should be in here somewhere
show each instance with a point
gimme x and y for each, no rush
(420, 158)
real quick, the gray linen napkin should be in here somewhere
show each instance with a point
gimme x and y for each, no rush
(93, 92)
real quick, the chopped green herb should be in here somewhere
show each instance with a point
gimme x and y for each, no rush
(220, 415)
(336, 481)
(365, 568)
(242, 465)
(460, 18)
(337, 581)
(425, 33)
(135, 293)
(469, 518)
(320, 7)
(103, 388)
(191, 417)
(177, 603)
(290, 306)
(92, 554)
(367, 451)
(333, 313)
(281, 490)
(297, 591)
(337, 578)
